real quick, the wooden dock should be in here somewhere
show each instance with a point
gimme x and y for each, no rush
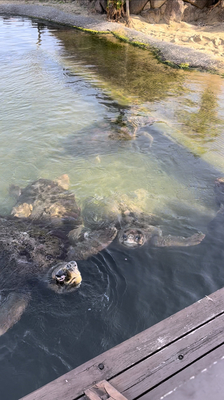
(180, 358)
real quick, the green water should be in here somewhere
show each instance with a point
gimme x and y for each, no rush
(57, 83)
(189, 103)
(65, 95)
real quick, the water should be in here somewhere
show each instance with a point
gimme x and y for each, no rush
(63, 92)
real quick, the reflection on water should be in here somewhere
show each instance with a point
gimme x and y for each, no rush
(130, 74)
(200, 121)
(196, 118)
(107, 114)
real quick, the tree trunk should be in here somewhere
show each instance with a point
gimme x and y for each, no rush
(127, 12)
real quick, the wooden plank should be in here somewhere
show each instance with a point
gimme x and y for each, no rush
(164, 390)
(103, 391)
(153, 370)
(128, 353)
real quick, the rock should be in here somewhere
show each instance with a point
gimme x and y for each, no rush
(191, 13)
(198, 3)
(101, 6)
(174, 11)
(217, 41)
(197, 38)
(157, 3)
(147, 7)
(98, 7)
(136, 6)
(104, 5)
(154, 15)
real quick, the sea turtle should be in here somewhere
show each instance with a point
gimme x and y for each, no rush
(219, 191)
(30, 252)
(49, 202)
(216, 225)
(136, 230)
(135, 227)
(129, 128)
(107, 211)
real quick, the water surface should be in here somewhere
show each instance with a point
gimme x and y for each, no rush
(63, 92)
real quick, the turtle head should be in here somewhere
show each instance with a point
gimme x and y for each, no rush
(219, 190)
(132, 238)
(65, 277)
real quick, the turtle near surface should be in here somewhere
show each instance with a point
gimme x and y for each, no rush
(135, 231)
(45, 242)
(36, 246)
(136, 234)
(30, 253)
(48, 201)
(135, 227)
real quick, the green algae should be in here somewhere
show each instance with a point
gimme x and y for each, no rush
(95, 32)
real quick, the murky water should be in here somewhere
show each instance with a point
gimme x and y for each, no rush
(66, 100)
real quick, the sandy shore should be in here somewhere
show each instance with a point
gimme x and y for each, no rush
(180, 43)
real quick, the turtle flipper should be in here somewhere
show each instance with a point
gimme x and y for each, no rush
(177, 241)
(77, 234)
(92, 242)
(12, 307)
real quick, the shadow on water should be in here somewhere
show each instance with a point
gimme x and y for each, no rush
(69, 95)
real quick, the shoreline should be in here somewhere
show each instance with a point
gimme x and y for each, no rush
(77, 16)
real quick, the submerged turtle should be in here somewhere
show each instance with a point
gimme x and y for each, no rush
(109, 211)
(48, 201)
(216, 225)
(110, 135)
(135, 227)
(219, 191)
(128, 126)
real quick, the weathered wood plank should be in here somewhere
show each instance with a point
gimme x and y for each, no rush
(185, 376)
(102, 391)
(150, 372)
(130, 352)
